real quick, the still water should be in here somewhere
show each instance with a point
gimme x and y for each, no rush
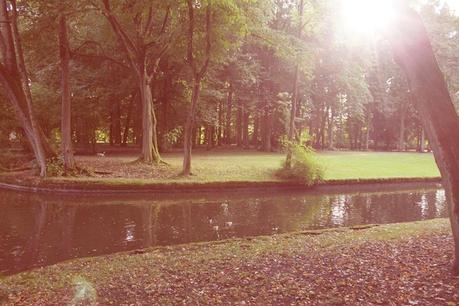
(38, 230)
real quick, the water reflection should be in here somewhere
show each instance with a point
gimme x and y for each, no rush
(41, 230)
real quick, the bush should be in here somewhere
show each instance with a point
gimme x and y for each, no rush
(305, 166)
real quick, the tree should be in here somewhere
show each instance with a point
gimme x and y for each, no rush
(14, 79)
(197, 74)
(144, 47)
(414, 53)
(66, 127)
(291, 129)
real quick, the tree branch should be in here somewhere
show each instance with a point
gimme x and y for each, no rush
(127, 43)
(103, 56)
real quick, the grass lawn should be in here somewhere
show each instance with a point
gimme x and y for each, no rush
(223, 166)
(353, 165)
(398, 264)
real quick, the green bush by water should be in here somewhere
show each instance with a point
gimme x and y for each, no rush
(304, 167)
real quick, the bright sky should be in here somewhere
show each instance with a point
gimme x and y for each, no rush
(454, 4)
(366, 17)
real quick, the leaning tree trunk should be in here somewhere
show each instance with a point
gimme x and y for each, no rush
(414, 53)
(66, 127)
(13, 77)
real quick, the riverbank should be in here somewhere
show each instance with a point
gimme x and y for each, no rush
(391, 264)
(230, 171)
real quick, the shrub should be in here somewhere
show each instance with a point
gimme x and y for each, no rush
(305, 166)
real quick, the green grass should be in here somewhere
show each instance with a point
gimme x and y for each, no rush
(366, 165)
(250, 166)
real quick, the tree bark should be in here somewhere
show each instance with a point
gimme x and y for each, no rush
(291, 130)
(197, 74)
(401, 138)
(245, 130)
(256, 129)
(66, 125)
(331, 134)
(189, 127)
(149, 151)
(229, 113)
(414, 53)
(422, 145)
(239, 125)
(136, 52)
(13, 77)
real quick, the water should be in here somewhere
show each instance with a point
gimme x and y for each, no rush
(38, 230)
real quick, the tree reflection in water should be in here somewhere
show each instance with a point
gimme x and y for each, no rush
(39, 230)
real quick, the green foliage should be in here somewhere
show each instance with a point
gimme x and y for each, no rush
(304, 167)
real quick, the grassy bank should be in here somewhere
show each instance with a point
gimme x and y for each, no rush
(240, 166)
(398, 264)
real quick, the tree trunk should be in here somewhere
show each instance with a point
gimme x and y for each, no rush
(401, 139)
(66, 123)
(422, 145)
(239, 126)
(331, 134)
(189, 127)
(413, 52)
(256, 129)
(115, 123)
(229, 110)
(293, 111)
(127, 123)
(245, 129)
(220, 123)
(149, 153)
(13, 77)
(266, 145)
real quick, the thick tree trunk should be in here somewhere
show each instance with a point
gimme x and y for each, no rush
(149, 152)
(66, 125)
(414, 53)
(189, 127)
(13, 77)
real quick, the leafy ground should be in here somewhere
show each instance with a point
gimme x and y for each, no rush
(221, 166)
(402, 264)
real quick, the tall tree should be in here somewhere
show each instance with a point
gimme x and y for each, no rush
(14, 79)
(66, 127)
(145, 41)
(296, 79)
(197, 75)
(413, 51)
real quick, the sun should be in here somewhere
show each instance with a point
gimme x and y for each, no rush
(367, 17)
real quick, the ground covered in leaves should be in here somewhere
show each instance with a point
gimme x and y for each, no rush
(402, 264)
